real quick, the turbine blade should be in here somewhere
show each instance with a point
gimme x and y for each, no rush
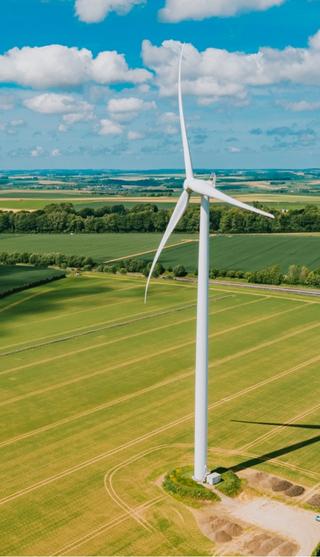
(176, 216)
(231, 201)
(185, 143)
(208, 189)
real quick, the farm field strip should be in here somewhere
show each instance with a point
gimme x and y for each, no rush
(115, 323)
(158, 431)
(158, 328)
(128, 363)
(136, 393)
(167, 350)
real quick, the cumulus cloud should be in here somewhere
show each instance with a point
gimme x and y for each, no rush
(302, 106)
(60, 66)
(93, 11)
(179, 10)
(37, 151)
(126, 108)
(108, 127)
(217, 73)
(53, 103)
(55, 153)
(133, 136)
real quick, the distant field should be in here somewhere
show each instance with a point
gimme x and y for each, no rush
(102, 247)
(96, 405)
(18, 276)
(246, 252)
(251, 252)
(38, 200)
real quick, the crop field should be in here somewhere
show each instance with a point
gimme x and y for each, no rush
(102, 247)
(20, 276)
(19, 201)
(250, 252)
(246, 252)
(96, 404)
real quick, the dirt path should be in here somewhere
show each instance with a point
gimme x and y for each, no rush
(290, 522)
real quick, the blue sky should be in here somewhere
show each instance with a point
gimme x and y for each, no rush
(92, 83)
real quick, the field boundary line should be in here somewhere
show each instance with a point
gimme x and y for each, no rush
(178, 244)
(277, 428)
(153, 433)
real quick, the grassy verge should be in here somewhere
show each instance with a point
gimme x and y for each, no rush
(231, 484)
(180, 484)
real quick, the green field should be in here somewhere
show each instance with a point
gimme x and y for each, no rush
(21, 200)
(96, 405)
(22, 276)
(250, 252)
(102, 247)
(246, 252)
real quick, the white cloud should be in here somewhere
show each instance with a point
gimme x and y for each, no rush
(60, 66)
(302, 106)
(53, 103)
(107, 127)
(55, 153)
(133, 136)
(75, 117)
(215, 73)
(127, 108)
(93, 11)
(234, 149)
(169, 117)
(37, 151)
(179, 10)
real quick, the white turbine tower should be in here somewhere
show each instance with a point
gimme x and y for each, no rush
(207, 190)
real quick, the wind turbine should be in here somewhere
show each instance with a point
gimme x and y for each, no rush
(207, 190)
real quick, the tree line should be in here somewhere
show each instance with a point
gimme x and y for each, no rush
(147, 217)
(295, 275)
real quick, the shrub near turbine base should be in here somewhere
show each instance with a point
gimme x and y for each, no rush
(180, 484)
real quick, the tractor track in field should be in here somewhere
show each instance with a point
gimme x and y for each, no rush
(76, 312)
(107, 526)
(134, 335)
(277, 428)
(104, 325)
(115, 323)
(108, 484)
(121, 365)
(26, 299)
(149, 435)
(129, 396)
(261, 459)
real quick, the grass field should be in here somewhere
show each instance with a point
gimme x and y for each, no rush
(243, 252)
(21, 276)
(96, 405)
